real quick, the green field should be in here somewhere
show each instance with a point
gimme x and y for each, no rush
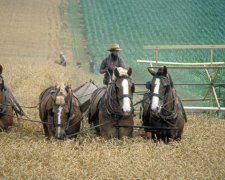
(133, 24)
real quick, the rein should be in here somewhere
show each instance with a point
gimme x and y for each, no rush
(171, 114)
(93, 127)
(26, 119)
(26, 107)
(109, 101)
(109, 97)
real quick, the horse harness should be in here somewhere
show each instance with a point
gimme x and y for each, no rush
(5, 98)
(4, 105)
(172, 115)
(8, 100)
(71, 108)
(107, 101)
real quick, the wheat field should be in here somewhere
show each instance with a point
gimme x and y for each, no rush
(32, 34)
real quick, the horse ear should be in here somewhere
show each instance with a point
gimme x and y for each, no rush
(1, 68)
(152, 72)
(129, 71)
(133, 88)
(165, 70)
(68, 85)
(69, 90)
(57, 85)
(52, 95)
(116, 72)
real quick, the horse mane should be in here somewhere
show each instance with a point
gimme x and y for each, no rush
(162, 71)
(62, 88)
(122, 72)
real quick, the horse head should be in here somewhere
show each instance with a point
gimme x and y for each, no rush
(161, 90)
(61, 97)
(124, 89)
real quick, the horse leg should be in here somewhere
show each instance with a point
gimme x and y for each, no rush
(5, 123)
(93, 120)
(1, 126)
(126, 131)
(43, 116)
(45, 127)
(44, 121)
(75, 123)
(181, 119)
(75, 127)
(7, 120)
(106, 129)
(96, 123)
(50, 124)
(148, 134)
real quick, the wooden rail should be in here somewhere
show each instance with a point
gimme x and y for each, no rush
(201, 99)
(172, 47)
(199, 65)
(178, 63)
(190, 67)
(184, 47)
(204, 108)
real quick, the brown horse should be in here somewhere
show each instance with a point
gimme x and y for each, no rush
(162, 108)
(8, 104)
(59, 111)
(111, 106)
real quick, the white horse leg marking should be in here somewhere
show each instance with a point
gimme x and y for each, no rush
(59, 121)
(126, 100)
(155, 99)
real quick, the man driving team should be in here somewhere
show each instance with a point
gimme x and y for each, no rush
(111, 62)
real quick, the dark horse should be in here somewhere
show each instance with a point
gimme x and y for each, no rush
(59, 111)
(162, 108)
(8, 104)
(111, 106)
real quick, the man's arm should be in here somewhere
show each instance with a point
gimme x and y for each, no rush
(121, 63)
(103, 67)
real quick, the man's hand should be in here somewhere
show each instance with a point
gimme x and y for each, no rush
(106, 69)
(102, 71)
(113, 67)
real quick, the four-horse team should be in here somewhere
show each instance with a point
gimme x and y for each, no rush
(110, 109)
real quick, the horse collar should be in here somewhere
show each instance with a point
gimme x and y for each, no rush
(4, 105)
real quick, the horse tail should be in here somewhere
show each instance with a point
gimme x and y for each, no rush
(182, 108)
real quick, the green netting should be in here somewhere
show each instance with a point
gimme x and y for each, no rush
(133, 24)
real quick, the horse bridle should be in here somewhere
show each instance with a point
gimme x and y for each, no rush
(172, 113)
(124, 95)
(69, 104)
(2, 84)
(118, 98)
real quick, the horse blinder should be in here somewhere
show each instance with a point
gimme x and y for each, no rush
(2, 83)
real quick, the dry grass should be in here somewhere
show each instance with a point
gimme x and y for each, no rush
(200, 155)
(26, 154)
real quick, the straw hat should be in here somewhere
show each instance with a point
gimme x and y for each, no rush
(115, 47)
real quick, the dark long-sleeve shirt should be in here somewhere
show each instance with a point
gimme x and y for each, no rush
(112, 61)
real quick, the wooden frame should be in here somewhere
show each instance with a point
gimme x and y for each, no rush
(205, 65)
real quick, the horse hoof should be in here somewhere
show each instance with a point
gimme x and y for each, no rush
(147, 135)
